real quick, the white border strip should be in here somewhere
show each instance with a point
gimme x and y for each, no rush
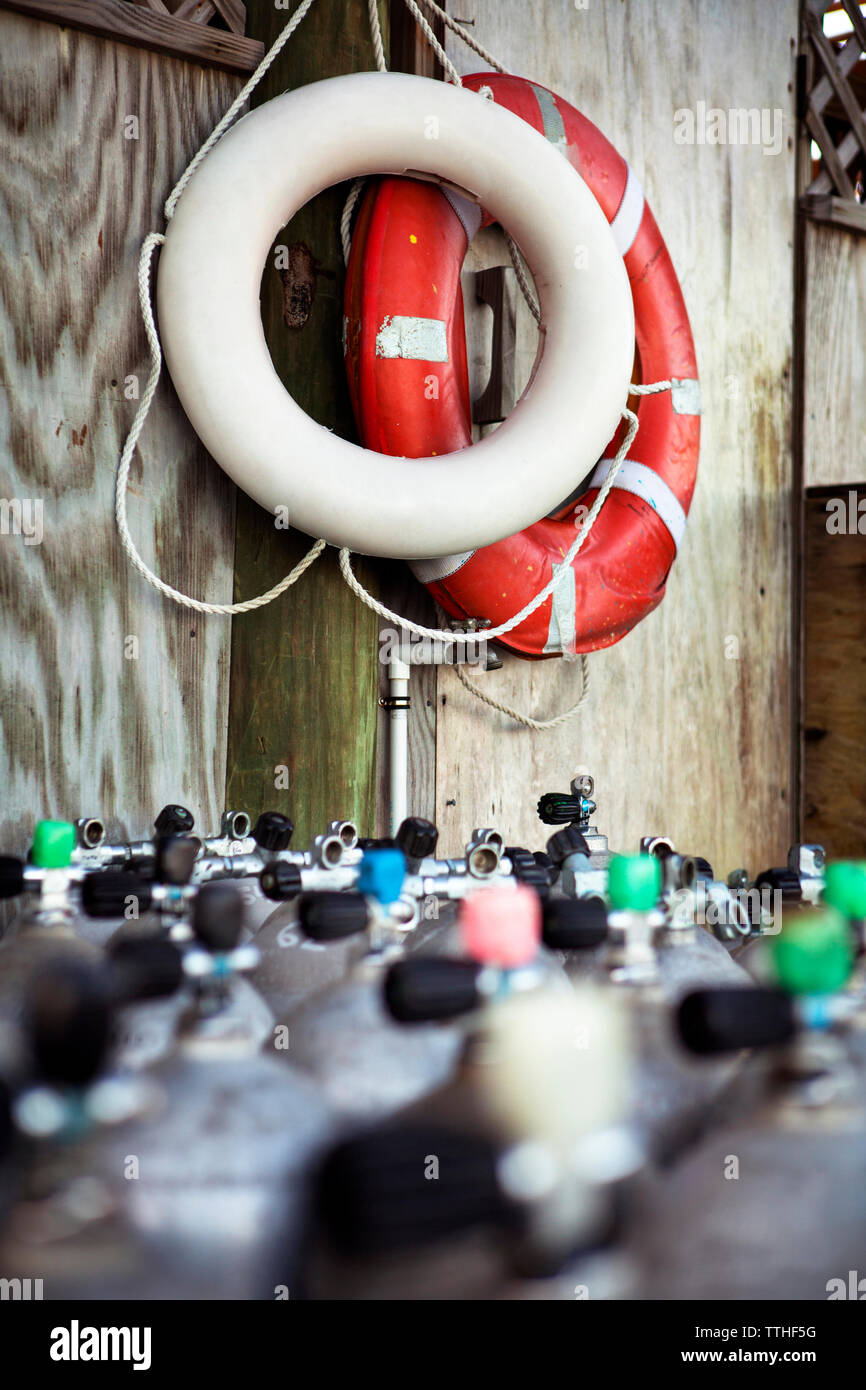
(645, 483)
(626, 223)
(561, 630)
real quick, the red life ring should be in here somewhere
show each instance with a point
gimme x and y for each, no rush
(406, 362)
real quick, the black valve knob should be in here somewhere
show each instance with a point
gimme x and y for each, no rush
(144, 967)
(11, 876)
(574, 924)
(69, 1021)
(727, 1019)
(526, 870)
(545, 862)
(382, 842)
(174, 820)
(175, 858)
(331, 916)
(374, 1194)
(114, 893)
(273, 831)
(559, 808)
(785, 881)
(417, 838)
(566, 842)
(426, 989)
(281, 881)
(701, 868)
(218, 916)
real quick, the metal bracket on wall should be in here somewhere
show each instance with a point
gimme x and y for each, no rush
(495, 287)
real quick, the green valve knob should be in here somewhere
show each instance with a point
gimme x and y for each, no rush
(845, 887)
(634, 882)
(814, 953)
(53, 843)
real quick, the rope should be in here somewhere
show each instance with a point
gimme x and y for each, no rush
(437, 634)
(151, 241)
(467, 38)
(376, 31)
(522, 277)
(528, 722)
(240, 100)
(448, 66)
(346, 219)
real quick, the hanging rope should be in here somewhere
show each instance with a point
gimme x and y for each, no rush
(527, 720)
(151, 241)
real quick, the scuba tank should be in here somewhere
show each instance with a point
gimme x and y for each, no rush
(63, 1223)
(650, 948)
(363, 1062)
(516, 1167)
(183, 1182)
(173, 910)
(222, 1170)
(46, 927)
(775, 1192)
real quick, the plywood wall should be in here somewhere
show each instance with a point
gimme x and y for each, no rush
(834, 670)
(687, 727)
(112, 700)
(834, 419)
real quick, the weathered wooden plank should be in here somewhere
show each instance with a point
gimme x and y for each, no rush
(834, 716)
(682, 735)
(835, 372)
(113, 701)
(133, 24)
(838, 212)
(305, 670)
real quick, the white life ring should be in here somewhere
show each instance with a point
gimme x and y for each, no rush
(269, 165)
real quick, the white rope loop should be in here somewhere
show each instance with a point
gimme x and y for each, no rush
(151, 241)
(150, 244)
(536, 725)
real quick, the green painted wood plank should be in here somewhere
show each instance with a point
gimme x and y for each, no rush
(304, 670)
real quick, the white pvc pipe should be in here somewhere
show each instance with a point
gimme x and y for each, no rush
(398, 683)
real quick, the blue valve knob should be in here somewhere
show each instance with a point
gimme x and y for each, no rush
(381, 875)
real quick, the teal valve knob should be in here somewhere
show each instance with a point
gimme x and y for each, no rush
(381, 874)
(634, 882)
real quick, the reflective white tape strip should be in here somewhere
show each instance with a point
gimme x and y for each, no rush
(429, 571)
(551, 119)
(645, 483)
(468, 212)
(686, 396)
(629, 214)
(561, 633)
(422, 340)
